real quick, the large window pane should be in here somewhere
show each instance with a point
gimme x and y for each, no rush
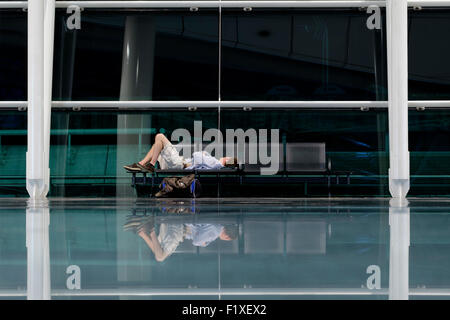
(429, 51)
(429, 146)
(294, 54)
(13, 55)
(137, 55)
(89, 149)
(355, 142)
(87, 152)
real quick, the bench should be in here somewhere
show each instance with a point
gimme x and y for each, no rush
(298, 163)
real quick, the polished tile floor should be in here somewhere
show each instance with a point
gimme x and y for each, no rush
(225, 249)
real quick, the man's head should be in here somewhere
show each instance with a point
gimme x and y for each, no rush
(229, 162)
(229, 232)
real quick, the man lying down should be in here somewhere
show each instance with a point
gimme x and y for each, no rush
(168, 157)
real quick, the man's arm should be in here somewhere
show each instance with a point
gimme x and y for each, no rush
(203, 160)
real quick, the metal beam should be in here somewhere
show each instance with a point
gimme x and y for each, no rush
(49, 31)
(41, 17)
(397, 57)
(215, 4)
(445, 104)
(144, 105)
(429, 3)
(35, 165)
(433, 292)
(193, 105)
(13, 4)
(399, 226)
(226, 4)
(38, 251)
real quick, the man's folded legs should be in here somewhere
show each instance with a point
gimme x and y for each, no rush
(148, 163)
(137, 167)
(147, 167)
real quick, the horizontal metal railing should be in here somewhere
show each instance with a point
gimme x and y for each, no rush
(246, 105)
(223, 4)
(229, 292)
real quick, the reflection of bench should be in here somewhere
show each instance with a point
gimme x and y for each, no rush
(298, 163)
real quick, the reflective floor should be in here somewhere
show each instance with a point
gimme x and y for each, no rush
(225, 249)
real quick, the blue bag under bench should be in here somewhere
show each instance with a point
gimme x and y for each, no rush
(298, 163)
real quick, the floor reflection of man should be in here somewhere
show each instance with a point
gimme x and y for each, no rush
(172, 234)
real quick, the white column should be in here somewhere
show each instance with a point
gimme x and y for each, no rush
(40, 58)
(38, 250)
(136, 84)
(397, 55)
(399, 249)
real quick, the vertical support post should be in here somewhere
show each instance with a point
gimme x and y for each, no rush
(399, 249)
(40, 58)
(136, 84)
(38, 250)
(397, 54)
(138, 58)
(35, 143)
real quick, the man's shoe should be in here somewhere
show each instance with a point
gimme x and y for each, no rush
(139, 223)
(148, 167)
(133, 167)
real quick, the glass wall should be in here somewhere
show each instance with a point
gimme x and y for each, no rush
(89, 148)
(229, 59)
(429, 79)
(429, 68)
(13, 54)
(284, 248)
